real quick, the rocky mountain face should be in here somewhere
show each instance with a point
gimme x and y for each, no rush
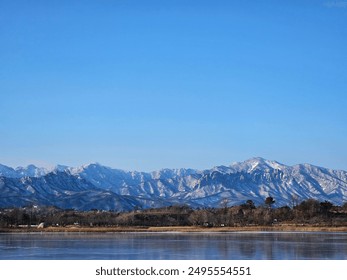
(100, 187)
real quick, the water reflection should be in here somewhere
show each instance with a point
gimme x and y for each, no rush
(251, 245)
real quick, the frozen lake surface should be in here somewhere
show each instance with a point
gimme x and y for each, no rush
(174, 246)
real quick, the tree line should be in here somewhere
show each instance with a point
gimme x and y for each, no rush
(310, 212)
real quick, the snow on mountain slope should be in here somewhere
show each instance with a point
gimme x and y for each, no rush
(97, 186)
(110, 179)
(31, 171)
(7, 171)
(62, 190)
(19, 172)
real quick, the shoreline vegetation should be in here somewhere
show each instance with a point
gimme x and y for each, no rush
(181, 229)
(310, 215)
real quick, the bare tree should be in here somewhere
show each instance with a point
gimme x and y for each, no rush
(269, 201)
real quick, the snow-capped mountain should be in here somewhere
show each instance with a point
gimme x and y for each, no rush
(101, 187)
(8, 171)
(28, 171)
(62, 190)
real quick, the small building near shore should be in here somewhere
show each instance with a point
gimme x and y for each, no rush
(41, 225)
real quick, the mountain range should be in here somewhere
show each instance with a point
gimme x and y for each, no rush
(94, 186)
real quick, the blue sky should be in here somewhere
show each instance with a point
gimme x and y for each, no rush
(144, 85)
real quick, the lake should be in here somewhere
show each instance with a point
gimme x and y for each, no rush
(174, 246)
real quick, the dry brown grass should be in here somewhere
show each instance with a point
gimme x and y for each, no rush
(283, 228)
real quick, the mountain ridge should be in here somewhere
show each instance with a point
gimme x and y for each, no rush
(97, 186)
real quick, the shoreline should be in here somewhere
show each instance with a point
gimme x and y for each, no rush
(180, 229)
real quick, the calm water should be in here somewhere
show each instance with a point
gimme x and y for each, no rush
(177, 246)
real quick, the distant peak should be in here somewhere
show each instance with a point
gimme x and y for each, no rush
(28, 167)
(255, 160)
(260, 159)
(250, 160)
(257, 163)
(5, 166)
(264, 161)
(60, 167)
(92, 165)
(31, 166)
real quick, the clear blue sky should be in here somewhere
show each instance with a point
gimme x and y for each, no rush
(144, 84)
